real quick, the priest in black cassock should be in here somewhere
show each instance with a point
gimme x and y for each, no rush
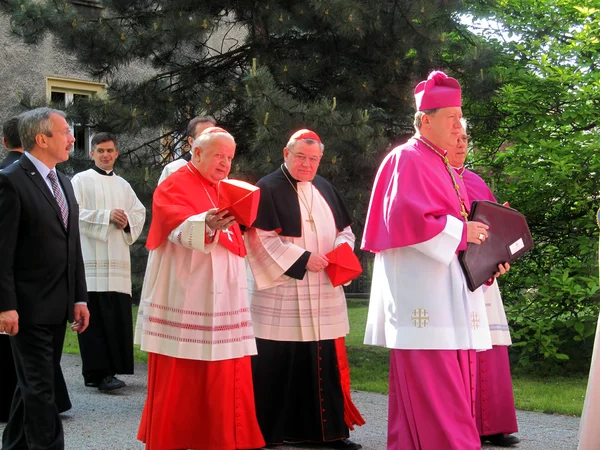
(298, 315)
(111, 218)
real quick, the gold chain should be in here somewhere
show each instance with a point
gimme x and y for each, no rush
(463, 209)
(303, 200)
(203, 187)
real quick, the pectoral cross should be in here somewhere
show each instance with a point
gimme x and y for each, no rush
(312, 222)
(229, 233)
(420, 318)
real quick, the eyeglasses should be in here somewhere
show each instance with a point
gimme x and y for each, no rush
(63, 132)
(300, 158)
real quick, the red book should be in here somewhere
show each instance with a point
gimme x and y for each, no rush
(240, 199)
(343, 265)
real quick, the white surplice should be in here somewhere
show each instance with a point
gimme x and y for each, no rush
(194, 301)
(171, 168)
(420, 299)
(105, 248)
(287, 309)
(497, 321)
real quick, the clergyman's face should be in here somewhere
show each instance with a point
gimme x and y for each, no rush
(104, 155)
(443, 127)
(303, 159)
(458, 154)
(213, 159)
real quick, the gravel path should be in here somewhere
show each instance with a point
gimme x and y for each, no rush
(110, 421)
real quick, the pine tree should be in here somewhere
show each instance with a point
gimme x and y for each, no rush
(346, 69)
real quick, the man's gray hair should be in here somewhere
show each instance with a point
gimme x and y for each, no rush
(34, 122)
(418, 123)
(205, 138)
(464, 124)
(292, 142)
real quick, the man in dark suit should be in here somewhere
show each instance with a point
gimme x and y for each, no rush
(12, 141)
(8, 374)
(42, 277)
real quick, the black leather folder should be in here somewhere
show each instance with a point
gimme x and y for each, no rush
(508, 239)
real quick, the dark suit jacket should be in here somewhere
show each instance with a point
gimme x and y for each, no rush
(10, 158)
(41, 267)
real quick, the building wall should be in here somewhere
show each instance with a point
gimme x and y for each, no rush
(24, 68)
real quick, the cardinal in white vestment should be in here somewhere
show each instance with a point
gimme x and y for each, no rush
(298, 314)
(194, 317)
(196, 126)
(420, 305)
(111, 219)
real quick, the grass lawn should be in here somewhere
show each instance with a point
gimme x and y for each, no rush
(370, 370)
(369, 365)
(559, 395)
(72, 343)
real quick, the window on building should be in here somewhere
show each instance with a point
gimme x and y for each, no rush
(64, 91)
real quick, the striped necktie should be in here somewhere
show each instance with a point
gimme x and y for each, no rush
(60, 198)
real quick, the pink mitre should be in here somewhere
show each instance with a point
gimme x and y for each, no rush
(305, 134)
(438, 91)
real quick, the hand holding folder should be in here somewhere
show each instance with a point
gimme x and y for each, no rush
(508, 239)
(343, 266)
(240, 199)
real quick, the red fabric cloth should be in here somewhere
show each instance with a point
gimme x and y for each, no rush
(201, 405)
(343, 265)
(495, 404)
(352, 415)
(180, 197)
(431, 400)
(412, 195)
(305, 134)
(240, 199)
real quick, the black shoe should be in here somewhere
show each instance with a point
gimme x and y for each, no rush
(91, 384)
(110, 383)
(501, 440)
(345, 444)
